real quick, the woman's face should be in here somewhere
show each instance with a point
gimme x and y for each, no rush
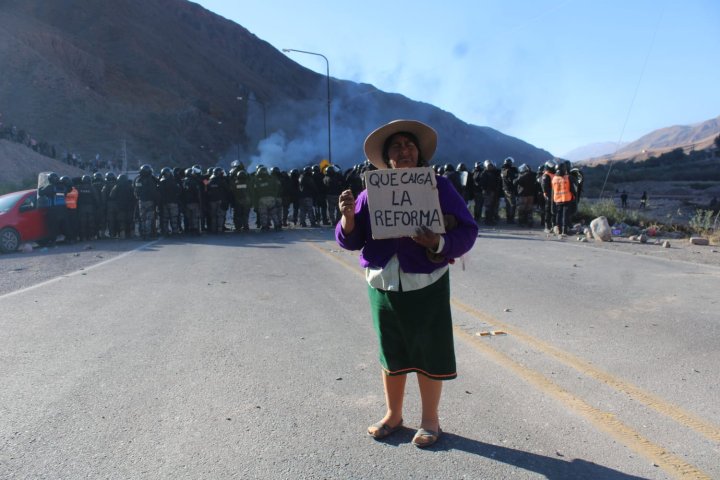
(402, 152)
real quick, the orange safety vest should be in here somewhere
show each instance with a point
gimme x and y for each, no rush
(561, 189)
(71, 198)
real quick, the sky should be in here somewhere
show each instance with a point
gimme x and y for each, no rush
(558, 74)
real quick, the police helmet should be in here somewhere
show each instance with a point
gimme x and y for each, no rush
(478, 166)
(523, 168)
(241, 174)
(195, 171)
(307, 169)
(65, 180)
(53, 178)
(122, 178)
(146, 170)
(449, 168)
(294, 172)
(87, 179)
(508, 162)
(461, 167)
(219, 172)
(489, 164)
(98, 177)
(262, 170)
(110, 177)
(166, 172)
(550, 166)
(315, 168)
(274, 171)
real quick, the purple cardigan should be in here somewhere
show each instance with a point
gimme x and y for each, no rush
(412, 256)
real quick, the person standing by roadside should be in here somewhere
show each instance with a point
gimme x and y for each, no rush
(70, 229)
(146, 192)
(546, 186)
(491, 185)
(509, 174)
(563, 197)
(86, 209)
(112, 212)
(334, 186)
(526, 188)
(408, 281)
(478, 197)
(169, 193)
(307, 191)
(192, 199)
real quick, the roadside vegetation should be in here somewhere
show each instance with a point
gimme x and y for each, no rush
(699, 168)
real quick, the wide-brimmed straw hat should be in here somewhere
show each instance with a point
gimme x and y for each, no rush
(426, 137)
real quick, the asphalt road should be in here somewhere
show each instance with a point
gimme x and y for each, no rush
(253, 356)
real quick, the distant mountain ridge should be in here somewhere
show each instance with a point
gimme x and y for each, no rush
(697, 136)
(592, 150)
(168, 82)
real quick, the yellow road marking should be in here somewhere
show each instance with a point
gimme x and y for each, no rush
(604, 420)
(674, 412)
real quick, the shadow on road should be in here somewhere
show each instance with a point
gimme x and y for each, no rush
(549, 467)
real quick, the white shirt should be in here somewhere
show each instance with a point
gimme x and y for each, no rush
(391, 277)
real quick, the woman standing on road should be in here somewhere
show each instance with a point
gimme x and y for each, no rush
(408, 281)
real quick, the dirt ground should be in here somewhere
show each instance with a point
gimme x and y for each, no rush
(680, 248)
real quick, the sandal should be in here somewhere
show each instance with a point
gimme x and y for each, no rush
(382, 430)
(424, 438)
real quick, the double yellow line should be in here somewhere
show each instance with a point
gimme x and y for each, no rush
(603, 420)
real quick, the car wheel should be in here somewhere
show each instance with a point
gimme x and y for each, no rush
(9, 240)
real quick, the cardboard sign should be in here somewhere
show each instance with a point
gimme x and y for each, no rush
(401, 200)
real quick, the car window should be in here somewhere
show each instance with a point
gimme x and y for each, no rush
(7, 201)
(28, 203)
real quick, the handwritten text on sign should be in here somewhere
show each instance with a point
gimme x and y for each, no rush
(402, 200)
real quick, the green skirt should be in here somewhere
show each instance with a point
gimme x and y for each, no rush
(414, 330)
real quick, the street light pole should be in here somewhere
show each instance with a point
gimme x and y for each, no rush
(327, 63)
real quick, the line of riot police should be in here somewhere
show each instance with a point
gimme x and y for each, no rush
(523, 191)
(191, 201)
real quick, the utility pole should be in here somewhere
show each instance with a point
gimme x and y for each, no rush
(124, 157)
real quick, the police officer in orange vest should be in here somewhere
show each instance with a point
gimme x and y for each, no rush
(563, 196)
(70, 229)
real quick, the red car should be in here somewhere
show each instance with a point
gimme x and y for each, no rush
(21, 220)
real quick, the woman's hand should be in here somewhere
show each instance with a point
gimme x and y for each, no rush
(427, 238)
(346, 204)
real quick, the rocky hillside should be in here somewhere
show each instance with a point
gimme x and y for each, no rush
(698, 136)
(20, 166)
(176, 84)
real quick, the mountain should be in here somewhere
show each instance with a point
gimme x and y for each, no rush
(21, 165)
(592, 150)
(697, 136)
(168, 82)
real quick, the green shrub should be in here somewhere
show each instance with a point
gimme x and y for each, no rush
(588, 211)
(704, 222)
